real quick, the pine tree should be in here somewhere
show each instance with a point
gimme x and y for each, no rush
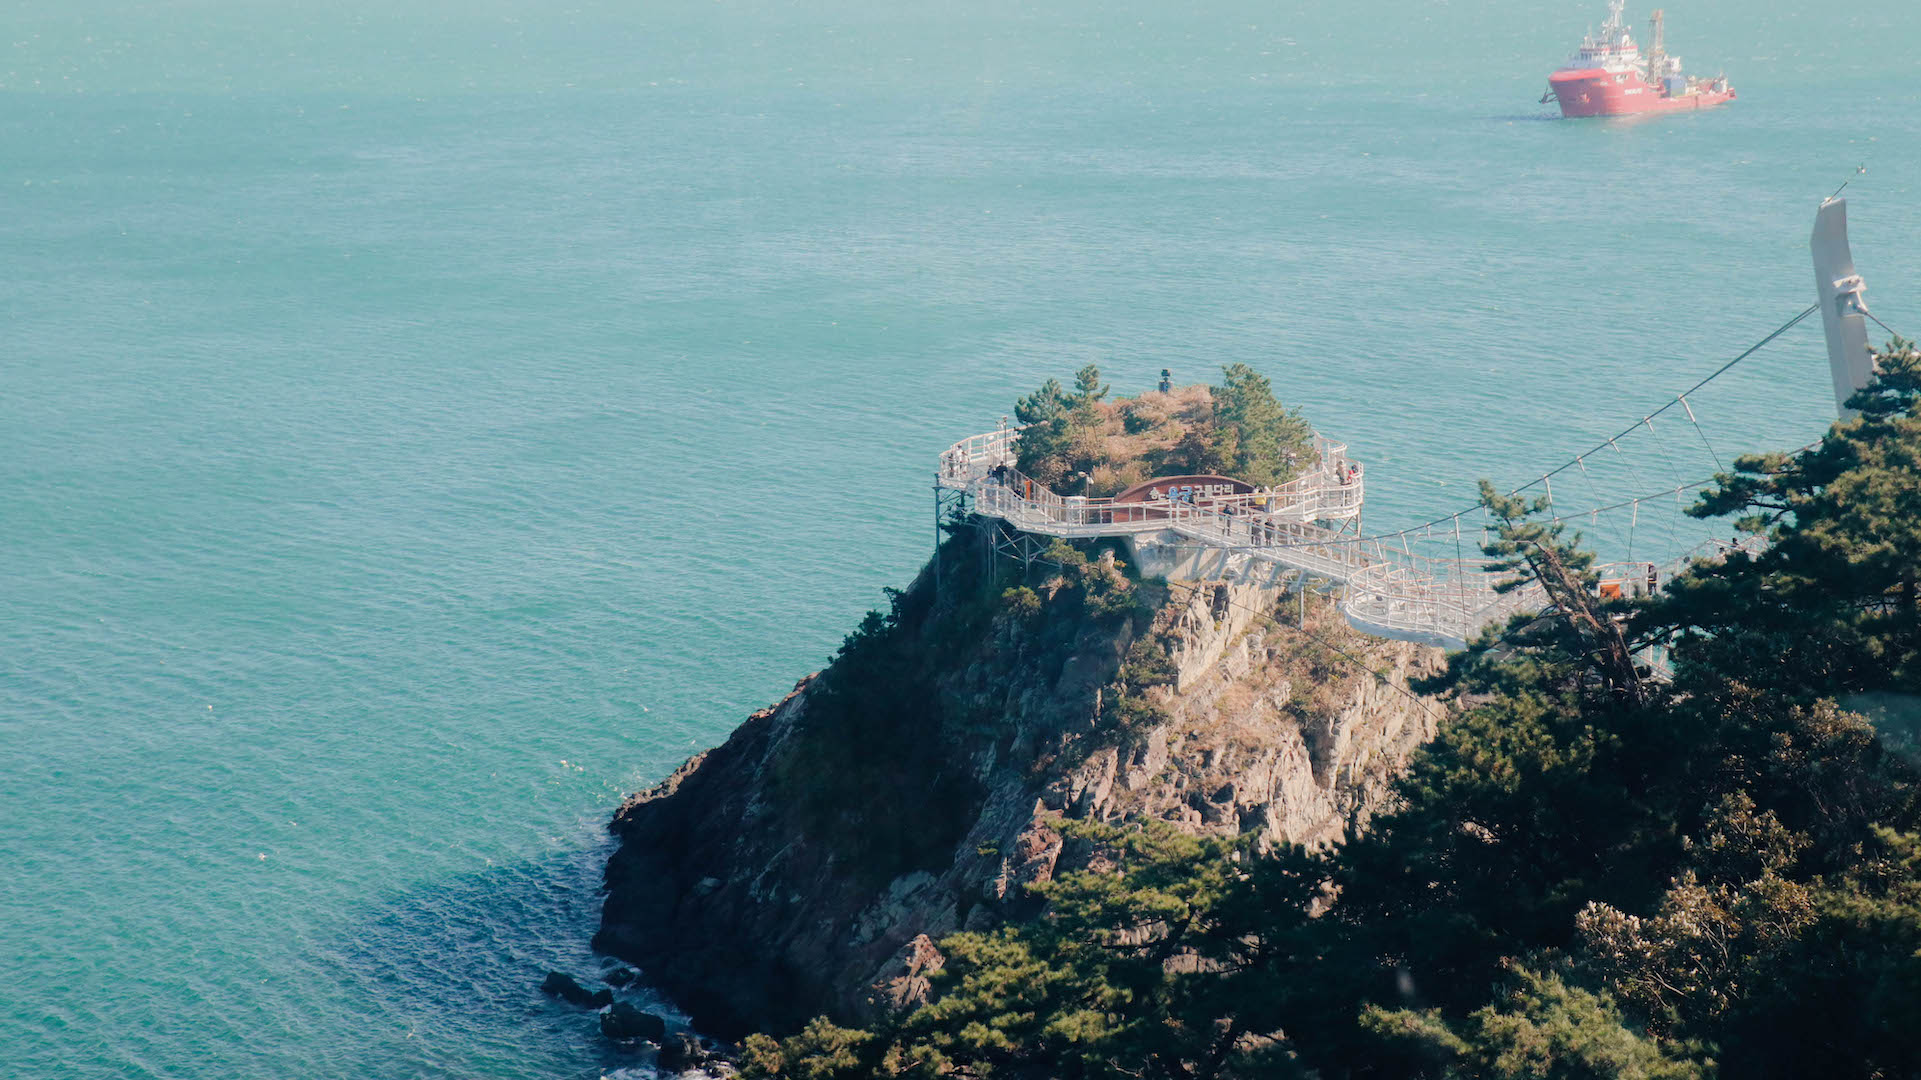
(1255, 438)
(1088, 388)
(1831, 603)
(1575, 624)
(1046, 437)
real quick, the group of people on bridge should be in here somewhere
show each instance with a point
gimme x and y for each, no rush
(1251, 511)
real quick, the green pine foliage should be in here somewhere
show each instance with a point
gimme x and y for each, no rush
(1046, 445)
(880, 771)
(1833, 603)
(1587, 639)
(1255, 437)
(1541, 1028)
(1588, 873)
(1088, 986)
(820, 1051)
(1072, 440)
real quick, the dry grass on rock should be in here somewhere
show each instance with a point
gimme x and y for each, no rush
(1140, 438)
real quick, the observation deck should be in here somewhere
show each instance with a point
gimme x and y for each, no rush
(1307, 526)
(1217, 528)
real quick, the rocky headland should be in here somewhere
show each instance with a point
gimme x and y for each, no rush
(1016, 827)
(812, 862)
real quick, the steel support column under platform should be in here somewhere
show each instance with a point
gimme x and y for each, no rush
(949, 506)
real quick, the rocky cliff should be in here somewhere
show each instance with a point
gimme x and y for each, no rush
(810, 862)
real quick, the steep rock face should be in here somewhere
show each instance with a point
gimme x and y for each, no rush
(738, 894)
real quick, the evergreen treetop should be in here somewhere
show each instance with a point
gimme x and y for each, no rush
(1081, 441)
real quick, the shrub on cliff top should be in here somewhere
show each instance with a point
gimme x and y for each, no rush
(1081, 442)
(1020, 603)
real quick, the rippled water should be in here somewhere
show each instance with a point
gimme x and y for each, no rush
(424, 423)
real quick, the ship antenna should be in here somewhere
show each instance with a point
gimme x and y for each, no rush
(1657, 56)
(1858, 171)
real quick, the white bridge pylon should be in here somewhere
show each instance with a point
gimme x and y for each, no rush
(1257, 538)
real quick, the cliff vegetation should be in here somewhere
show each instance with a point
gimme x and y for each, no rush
(1588, 873)
(971, 741)
(1080, 442)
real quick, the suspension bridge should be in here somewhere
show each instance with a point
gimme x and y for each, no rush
(1218, 529)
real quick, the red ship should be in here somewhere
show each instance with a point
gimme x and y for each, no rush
(1610, 77)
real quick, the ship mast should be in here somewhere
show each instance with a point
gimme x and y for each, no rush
(1657, 51)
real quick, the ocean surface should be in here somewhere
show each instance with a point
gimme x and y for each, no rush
(423, 423)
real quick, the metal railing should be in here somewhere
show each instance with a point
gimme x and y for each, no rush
(1389, 591)
(1333, 490)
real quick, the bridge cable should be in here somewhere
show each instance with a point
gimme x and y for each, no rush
(1704, 435)
(1578, 460)
(1717, 373)
(1674, 529)
(1879, 323)
(1589, 477)
(1594, 512)
(1460, 566)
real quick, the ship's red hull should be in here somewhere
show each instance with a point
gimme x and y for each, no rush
(1594, 92)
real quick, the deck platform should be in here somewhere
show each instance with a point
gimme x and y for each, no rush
(1307, 527)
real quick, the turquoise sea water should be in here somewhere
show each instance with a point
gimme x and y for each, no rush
(422, 423)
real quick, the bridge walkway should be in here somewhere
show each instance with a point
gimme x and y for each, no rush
(1301, 526)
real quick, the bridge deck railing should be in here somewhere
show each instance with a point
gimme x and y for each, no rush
(1331, 490)
(1389, 589)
